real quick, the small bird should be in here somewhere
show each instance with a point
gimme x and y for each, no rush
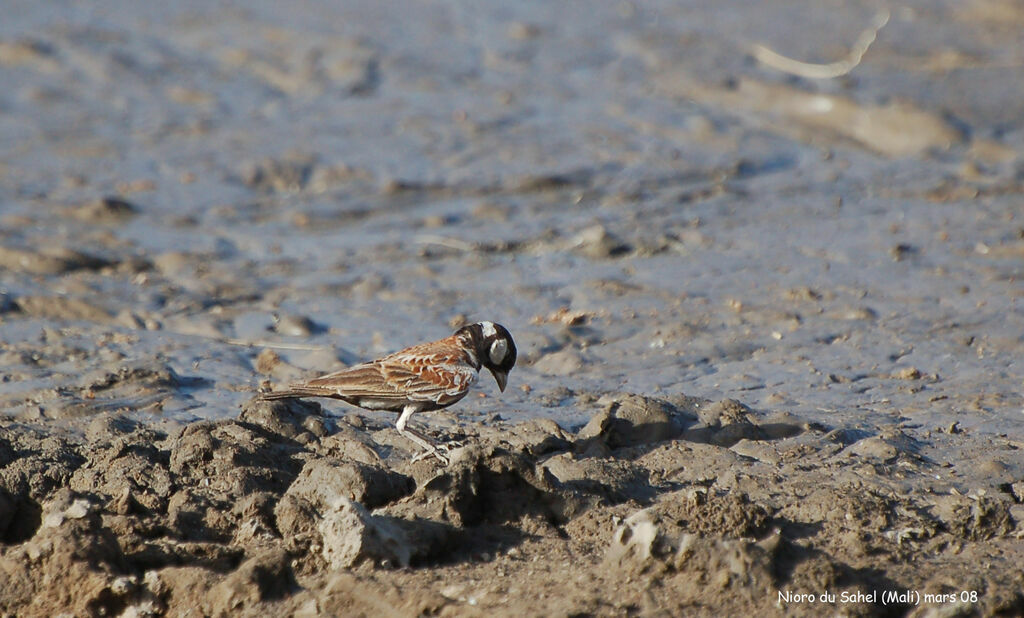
(424, 377)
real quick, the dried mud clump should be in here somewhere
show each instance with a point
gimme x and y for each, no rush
(646, 509)
(630, 420)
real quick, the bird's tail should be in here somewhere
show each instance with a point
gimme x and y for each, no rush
(298, 391)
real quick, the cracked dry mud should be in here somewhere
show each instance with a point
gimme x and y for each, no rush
(656, 506)
(769, 328)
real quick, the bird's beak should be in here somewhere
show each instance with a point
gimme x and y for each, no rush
(501, 378)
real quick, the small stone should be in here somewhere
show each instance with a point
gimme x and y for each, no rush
(108, 210)
(62, 308)
(351, 535)
(296, 326)
(173, 263)
(908, 373)
(521, 31)
(562, 363)
(267, 360)
(597, 242)
(49, 261)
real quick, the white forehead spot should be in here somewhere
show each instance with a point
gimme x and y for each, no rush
(489, 330)
(498, 350)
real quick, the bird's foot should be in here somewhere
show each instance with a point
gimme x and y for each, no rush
(440, 451)
(436, 451)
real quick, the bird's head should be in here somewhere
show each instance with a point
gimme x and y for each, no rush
(495, 349)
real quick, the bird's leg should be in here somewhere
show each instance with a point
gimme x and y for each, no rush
(429, 448)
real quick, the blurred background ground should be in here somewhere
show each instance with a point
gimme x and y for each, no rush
(387, 170)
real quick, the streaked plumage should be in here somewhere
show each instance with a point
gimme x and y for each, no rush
(424, 377)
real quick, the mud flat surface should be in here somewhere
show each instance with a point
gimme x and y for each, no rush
(769, 326)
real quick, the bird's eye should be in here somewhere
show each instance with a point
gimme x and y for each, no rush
(498, 351)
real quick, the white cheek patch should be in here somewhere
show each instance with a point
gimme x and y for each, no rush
(498, 350)
(488, 329)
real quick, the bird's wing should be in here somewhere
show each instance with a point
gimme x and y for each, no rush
(438, 377)
(415, 374)
(358, 381)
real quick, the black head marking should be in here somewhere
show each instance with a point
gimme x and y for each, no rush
(494, 348)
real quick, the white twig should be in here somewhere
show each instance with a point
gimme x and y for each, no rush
(272, 344)
(451, 243)
(810, 70)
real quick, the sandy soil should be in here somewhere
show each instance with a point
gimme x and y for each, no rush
(769, 326)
